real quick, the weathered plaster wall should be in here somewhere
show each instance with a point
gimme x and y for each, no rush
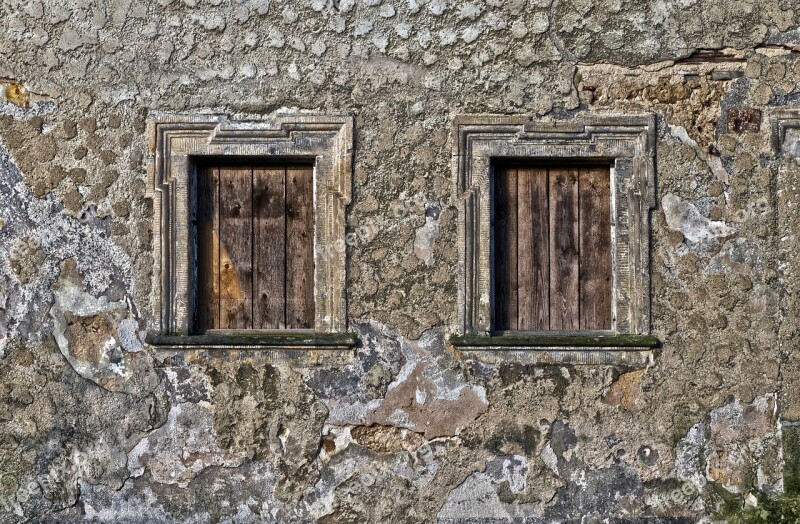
(95, 424)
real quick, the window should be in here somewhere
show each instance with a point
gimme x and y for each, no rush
(554, 237)
(249, 217)
(254, 230)
(552, 248)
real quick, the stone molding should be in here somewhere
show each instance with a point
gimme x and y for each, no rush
(627, 142)
(176, 142)
(785, 125)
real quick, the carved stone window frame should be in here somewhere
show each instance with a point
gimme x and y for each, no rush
(176, 143)
(627, 142)
(785, 134)
(785, 123)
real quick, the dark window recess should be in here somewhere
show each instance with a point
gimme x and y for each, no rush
(552, 248)
(255, 260)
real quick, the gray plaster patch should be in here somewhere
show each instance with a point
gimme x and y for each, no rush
(478, 495)
(94, 363)
(791, 142)
(685, 217)
(180, 449)
(59, 237)
(428, 397)
(245, 494)
(426, 235)
(737, 446)
(738, 255)
(423, 395)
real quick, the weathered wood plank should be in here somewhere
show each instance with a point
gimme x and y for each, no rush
(269, 244)
(299, 247)
(595, 248)
(207, 249)
(505, 248)
(564, 281)
(533, 266)
(236, 249)
(525, 252)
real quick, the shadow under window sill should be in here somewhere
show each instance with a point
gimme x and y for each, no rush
(559, 347)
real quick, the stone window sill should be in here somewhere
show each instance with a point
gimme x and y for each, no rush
(303, 339)
(518, 339)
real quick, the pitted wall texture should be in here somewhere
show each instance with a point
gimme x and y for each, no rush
(96, 425)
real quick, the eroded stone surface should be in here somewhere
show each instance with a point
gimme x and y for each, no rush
(96, 425)
(737, 446)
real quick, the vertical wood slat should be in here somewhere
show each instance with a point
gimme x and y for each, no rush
(595, 248)
(564, 245)
(236, 252)
(208, 248)
(533, 263)
(255, 248)
(505, 248)
(269, 248)
(299, 247)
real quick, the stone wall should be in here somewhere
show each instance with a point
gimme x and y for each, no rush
(95, 424)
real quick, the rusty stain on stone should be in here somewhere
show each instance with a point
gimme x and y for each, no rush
(626, 391)
(88, 335)
(328, 444)
(17, 94)
(744, 120)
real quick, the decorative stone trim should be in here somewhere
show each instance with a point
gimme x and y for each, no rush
(785, 125)
(628, 358)
(626, 141)
(177, 141)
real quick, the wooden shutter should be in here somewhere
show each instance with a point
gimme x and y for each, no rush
(552, 248)
(255, 251)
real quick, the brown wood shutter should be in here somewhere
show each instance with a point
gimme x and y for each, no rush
(552, 248)
(255, 248)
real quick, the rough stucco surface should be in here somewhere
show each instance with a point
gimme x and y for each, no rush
(97, 425)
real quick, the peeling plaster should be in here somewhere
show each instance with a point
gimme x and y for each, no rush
(405, 428)
(685, 217)
(178, 451)
(734, 445)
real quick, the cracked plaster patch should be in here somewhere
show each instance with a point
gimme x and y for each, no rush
(424, 394)
(183, 447)
(94, 333)
(57, 237)
(415, 401)
(427, 398)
